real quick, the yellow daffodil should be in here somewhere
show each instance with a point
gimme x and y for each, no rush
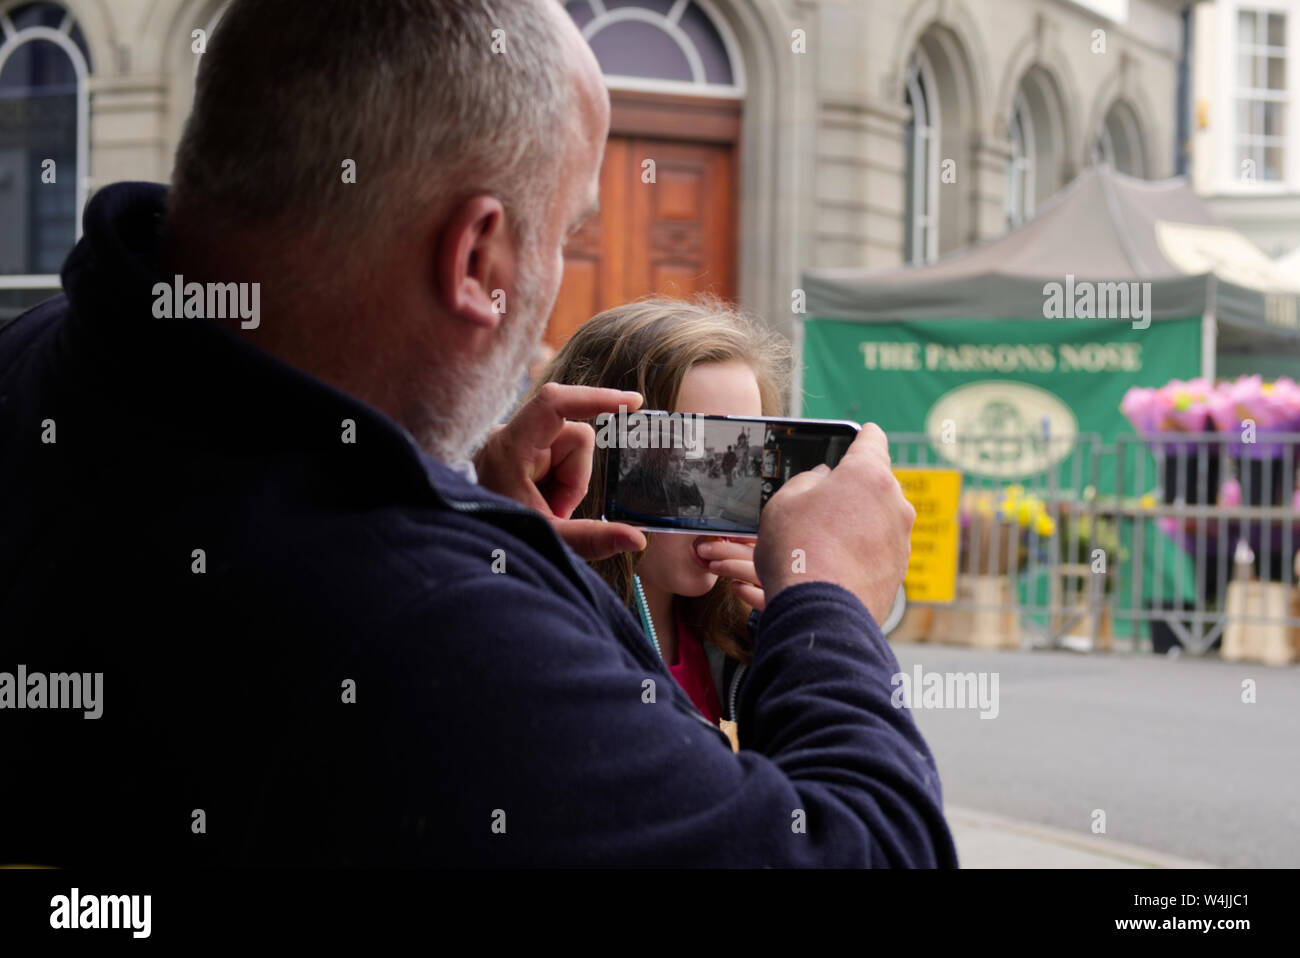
(1025, 512)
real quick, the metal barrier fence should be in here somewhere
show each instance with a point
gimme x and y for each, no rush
(1176, 541)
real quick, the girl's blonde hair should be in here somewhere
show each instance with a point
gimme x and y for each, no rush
(648, 345)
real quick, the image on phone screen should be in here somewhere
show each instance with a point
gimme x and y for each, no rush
(719, 478)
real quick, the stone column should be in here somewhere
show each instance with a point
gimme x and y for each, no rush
(127, 129)
(988, 187)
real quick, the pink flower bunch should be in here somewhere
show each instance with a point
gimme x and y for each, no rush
(1200, 406)
(1273, 407)
(1145, 408)
(1177, 406)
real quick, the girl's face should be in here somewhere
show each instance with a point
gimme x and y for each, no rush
(730, 388)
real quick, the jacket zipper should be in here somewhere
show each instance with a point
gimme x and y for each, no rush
(735, 690)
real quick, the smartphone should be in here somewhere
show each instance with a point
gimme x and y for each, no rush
(681, 472)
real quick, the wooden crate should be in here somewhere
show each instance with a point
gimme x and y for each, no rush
(996, 626)
(1271, 643)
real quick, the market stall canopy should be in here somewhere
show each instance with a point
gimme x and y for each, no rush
(1104, 228)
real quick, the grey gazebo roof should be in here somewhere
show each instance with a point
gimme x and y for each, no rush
(1104, 227)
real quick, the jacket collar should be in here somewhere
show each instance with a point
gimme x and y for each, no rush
(198, 368)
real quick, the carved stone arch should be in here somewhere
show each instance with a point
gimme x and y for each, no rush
(1036, 74)
(1048, 58)
(776, 109)
(962, 39)
(1121, 87)
(97, 28)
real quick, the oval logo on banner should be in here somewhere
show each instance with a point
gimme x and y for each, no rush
(1001, 429)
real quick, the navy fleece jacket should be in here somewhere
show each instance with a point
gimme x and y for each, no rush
(308, 657)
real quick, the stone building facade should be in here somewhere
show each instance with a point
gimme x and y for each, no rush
(785, 133)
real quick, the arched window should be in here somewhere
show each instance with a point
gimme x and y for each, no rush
(921, 143)
(1038, 132)
(1020, 167)
(674, 46)
(44, 117)
(1119, 142)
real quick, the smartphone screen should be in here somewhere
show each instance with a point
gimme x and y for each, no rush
(686, 473)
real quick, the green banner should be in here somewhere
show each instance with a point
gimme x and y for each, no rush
(991, 377)
(1006, 381)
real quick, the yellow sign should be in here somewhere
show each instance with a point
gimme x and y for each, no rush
(932, 569)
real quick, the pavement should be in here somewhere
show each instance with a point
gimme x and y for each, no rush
(1175, 761)
(741, 498)
(985, 840)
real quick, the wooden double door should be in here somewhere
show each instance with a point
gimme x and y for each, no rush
(667, 221)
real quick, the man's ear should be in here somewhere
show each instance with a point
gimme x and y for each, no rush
(476, 261)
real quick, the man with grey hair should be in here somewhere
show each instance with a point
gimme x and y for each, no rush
(340, 618)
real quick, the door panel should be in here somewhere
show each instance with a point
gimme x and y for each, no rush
(674, 235)
(683, 219)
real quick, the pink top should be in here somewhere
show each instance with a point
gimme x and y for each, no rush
(692, 672)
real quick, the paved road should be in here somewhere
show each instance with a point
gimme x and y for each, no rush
(741, 498)
(1165, 747)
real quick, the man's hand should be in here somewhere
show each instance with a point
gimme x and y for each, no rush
(543, 460)
(851, 523)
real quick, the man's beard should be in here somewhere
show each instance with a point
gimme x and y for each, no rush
(468, 398)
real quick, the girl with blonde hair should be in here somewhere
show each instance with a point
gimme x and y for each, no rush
(697, 597)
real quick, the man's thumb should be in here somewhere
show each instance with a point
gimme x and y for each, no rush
(803, 480)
